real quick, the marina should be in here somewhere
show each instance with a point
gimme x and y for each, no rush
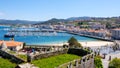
(30, 32)
(59, 34)
(44, 39)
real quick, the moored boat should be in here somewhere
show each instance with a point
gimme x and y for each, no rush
(9, 35)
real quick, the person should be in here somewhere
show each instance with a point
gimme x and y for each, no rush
(33, 51)
(109, 58)
(104, 55)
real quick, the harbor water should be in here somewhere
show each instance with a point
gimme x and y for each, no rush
(60, 37)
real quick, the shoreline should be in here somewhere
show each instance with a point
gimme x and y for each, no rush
(83, 43)
(96, 43)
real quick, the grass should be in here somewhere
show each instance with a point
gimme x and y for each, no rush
(54, 61)
(24, 57)
(73, 63)
(4, 63)
(12, 52)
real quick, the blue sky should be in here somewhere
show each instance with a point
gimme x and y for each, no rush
(40, 10)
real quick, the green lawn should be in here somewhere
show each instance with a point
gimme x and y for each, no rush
(24, 57)
(4, 63)
(54, 61)
(12, 52)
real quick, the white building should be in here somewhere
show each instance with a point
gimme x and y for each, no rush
(115, 34)
(12, 45)
(96, 25)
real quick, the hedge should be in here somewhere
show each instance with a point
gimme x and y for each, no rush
(98, 62)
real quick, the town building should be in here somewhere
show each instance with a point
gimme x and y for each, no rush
(115, 33)
(95, 33)
(96, 25)
(12, 45)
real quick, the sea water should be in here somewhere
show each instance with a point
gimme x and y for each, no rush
(60, 37)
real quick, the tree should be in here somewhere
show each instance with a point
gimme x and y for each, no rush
(24, 44)
(108, 25)
(82, 23)
(73, 42)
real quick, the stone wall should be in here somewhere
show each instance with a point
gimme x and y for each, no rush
(79, 52)
(45, 55)
(85, 62)
(11, 57)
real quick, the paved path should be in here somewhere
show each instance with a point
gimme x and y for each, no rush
(27, 65)
(105, 61)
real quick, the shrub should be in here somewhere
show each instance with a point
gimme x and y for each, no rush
(115, 63)
(98, 62)
(79, 52)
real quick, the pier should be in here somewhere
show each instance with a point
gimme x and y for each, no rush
(32, 32)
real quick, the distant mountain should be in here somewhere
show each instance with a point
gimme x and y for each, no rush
(53, 21)
(68, 20)
(79, 18)
(3, 21)
(86, 19)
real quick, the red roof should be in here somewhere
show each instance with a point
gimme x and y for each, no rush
(11, 43)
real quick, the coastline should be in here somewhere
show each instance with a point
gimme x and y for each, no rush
(83, 43)
(96, 43)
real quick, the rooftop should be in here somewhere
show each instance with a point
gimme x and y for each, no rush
(11, 43)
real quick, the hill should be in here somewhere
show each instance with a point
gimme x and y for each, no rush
(104, 20)
(3, 21)
(56, 21)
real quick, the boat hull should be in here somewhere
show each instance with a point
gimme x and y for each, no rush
(9, 36)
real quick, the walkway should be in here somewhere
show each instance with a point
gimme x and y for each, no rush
(27, 65)
(105, 62)
(113, 55)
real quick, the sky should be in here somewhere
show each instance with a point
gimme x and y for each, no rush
(41, 10)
